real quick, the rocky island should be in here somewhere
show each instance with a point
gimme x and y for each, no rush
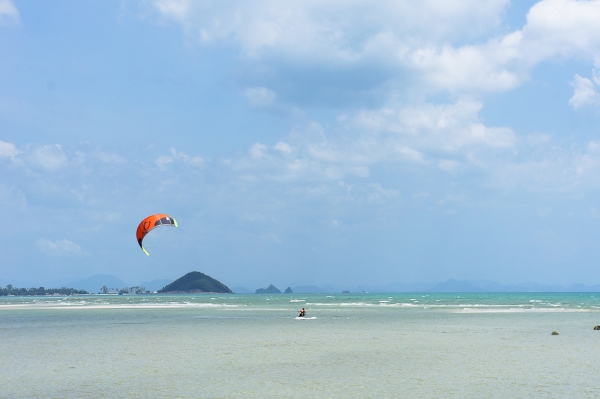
(271, 289)
(193, 283)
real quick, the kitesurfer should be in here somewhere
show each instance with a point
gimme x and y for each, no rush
(302, 313)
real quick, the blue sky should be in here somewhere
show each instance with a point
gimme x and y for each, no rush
(301, 142)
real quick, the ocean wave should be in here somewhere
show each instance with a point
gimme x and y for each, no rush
(520, 310)
(105, 305)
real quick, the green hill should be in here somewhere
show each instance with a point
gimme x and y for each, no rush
(195, 282)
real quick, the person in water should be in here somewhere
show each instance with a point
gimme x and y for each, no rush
(302, 313)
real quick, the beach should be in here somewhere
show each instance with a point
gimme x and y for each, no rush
(251, 346)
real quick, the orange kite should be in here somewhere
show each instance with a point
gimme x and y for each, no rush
(152, 221)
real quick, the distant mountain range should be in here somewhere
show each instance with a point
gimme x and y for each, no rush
(94, 284)
(450, 285)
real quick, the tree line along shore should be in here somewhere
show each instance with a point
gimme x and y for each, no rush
(9, 290)
(193, 282)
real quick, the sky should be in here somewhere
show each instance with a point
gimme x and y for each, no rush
(301, 143)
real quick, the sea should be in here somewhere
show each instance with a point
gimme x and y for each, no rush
(349, 345)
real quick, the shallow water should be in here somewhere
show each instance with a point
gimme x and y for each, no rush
(251, 346)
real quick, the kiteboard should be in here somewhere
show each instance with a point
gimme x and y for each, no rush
(304, 318)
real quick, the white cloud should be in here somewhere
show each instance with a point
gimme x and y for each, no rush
(445, 127)
(109, 157)
(411, 155)
(426, 135)
(554, 28)
(49, 157)
(584, 94)
(79, 195)
(448, 165)
(260, 96)
(417, 39)
(379, 194)
(12, 197)
(594, 146)
(549, 168)
(343, 192)
(411, 36)
(258, 150)
(562, 27)
(329, 29)
(164, 160)
(176, 9)
(8, 150)
(59, 247)
(470, 68)
(9, 14)
(283, 147)
(192, 161)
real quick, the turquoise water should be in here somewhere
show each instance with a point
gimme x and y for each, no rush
(251, 346)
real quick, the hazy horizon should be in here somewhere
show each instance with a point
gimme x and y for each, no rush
(93, 284)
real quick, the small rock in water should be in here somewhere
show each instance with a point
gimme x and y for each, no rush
(554, 333)
(597, 328)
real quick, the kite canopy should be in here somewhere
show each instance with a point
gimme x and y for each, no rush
(152, 221)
